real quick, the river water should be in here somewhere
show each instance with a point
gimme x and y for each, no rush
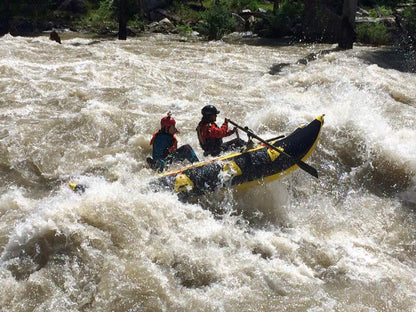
(84, 112)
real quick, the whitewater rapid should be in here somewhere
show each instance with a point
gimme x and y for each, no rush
(84, 111)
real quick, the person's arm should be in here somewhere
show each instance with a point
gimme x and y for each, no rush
(219, 133)
(229, 132)
(153, 137)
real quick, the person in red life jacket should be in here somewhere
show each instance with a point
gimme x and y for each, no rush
(210, 135)
(165, 146)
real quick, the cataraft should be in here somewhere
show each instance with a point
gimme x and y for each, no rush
(270, 160)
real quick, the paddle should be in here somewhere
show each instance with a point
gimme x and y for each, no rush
(302, 165)
(276, 138)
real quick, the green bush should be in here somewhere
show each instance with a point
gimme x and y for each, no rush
(292, 9)
(273, 26)
(288, 14)
(217, 21)
(184, 30)
(238, 5)
(102, 18)
(384, 11)
(184, 11)
(136, 22)
(372, 33)
(410, 19)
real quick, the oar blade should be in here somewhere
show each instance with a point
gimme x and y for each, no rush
(309, 169)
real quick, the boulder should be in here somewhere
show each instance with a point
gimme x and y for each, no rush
(55, 37)
(163, 26)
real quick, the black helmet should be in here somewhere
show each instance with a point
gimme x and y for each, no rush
(209, 110)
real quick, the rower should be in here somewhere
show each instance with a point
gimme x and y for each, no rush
(210, 135)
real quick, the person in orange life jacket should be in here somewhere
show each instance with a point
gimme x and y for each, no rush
(165, 146)
(210, 135)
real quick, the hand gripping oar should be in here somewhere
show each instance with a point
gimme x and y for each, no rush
(302, 165)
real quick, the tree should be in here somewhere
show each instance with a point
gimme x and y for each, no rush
(311, 26)
(275, 6)
(347, 36)
(140, 8)
(330, 21)
(4, 17)
(122, 20)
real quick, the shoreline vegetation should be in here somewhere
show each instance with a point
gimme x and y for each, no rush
(371, 22)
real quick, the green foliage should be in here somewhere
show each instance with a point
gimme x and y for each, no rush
(385, 11)
(238, 5)
(184, 12)
(136, 22)
(279, 25)
(217, 22)
(103, 13)
(372, 33)
(207, 3)
(410, 19)
(101, 18)
(292, 9)
(266, 6)
(184, 30)
(382, 10)
(272, 26)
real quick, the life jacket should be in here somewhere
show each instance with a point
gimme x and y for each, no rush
(201, 138)
(211, 145)
(163, 144)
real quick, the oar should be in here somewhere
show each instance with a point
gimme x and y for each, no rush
(268, 140)
(237, 134)
(302, 165)
(276, 138)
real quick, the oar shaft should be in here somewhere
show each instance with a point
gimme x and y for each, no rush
(252, 134)
(276, 138)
